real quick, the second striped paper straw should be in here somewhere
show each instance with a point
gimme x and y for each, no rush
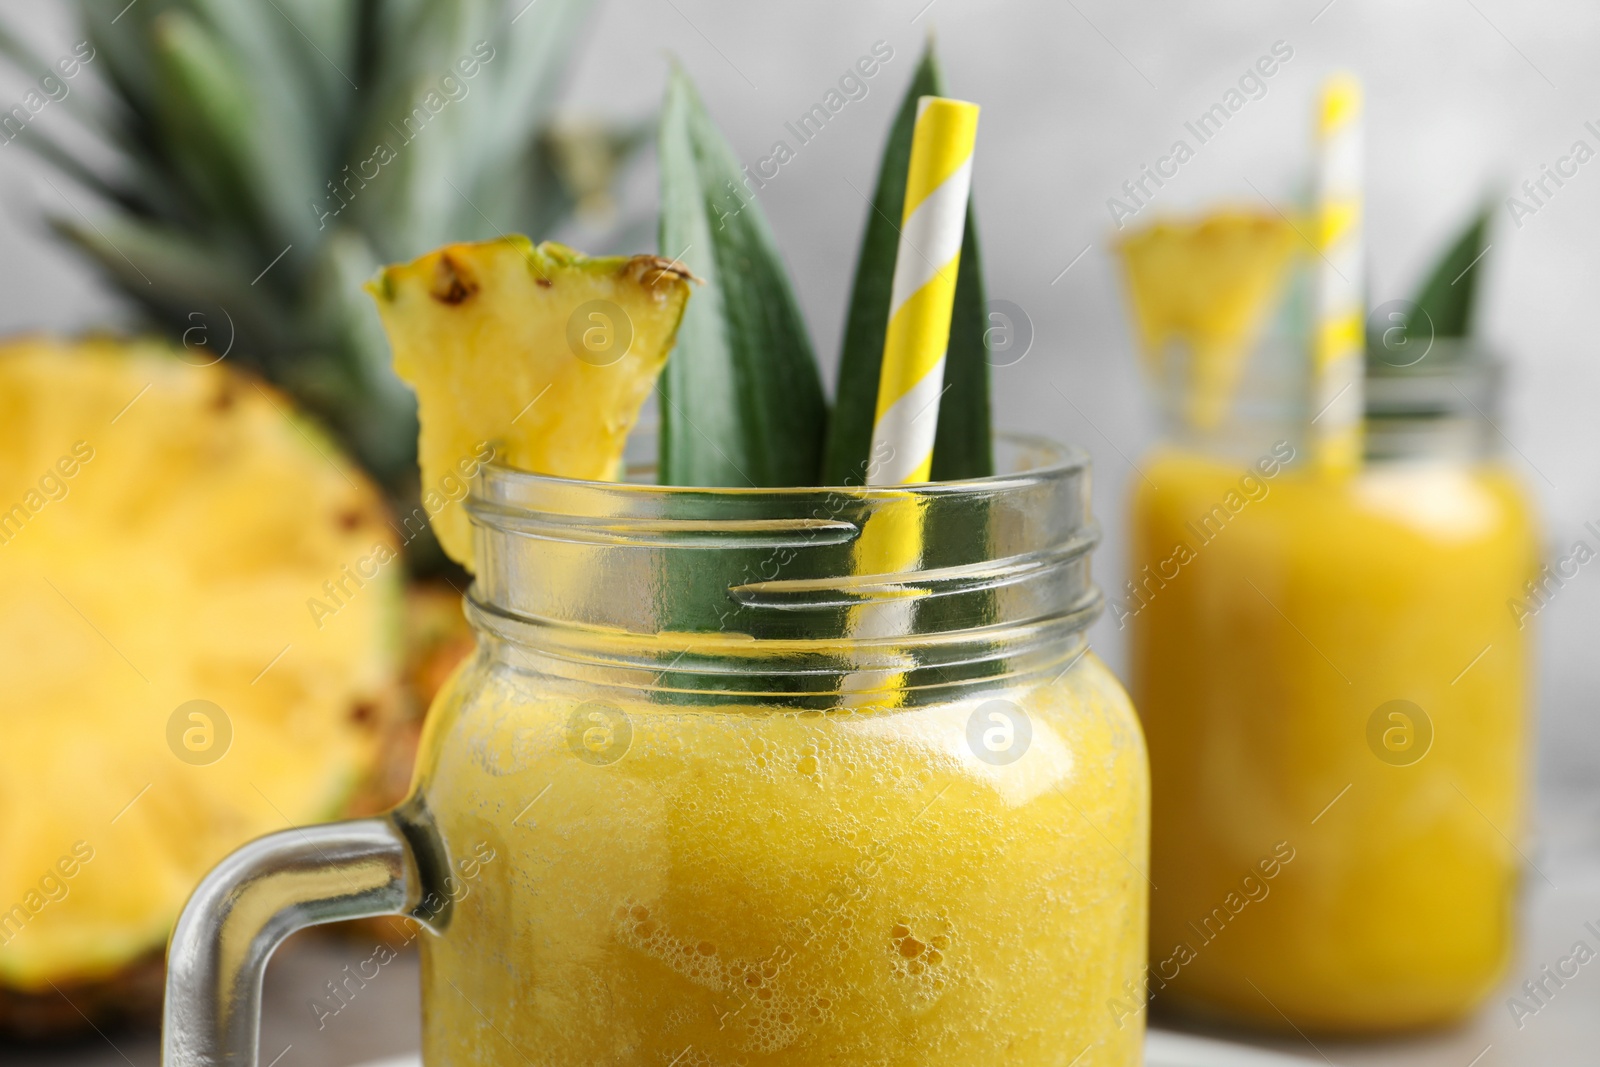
(1338, 341)
(933, 221)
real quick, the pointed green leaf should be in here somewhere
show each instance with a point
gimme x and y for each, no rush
(962, 446)
(179, 277)
(741, 397)
(34, 67)
(362, 353)
(538, 45)
(41, 144)
(204, 114)
(1450, 293)
(122, 50)
(300, 101)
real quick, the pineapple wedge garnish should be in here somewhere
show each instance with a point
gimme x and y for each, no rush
(538, 358)
(1209, 285)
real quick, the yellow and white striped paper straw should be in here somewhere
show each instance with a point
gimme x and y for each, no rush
(911, 382)
(1338, 340)
(923, 294)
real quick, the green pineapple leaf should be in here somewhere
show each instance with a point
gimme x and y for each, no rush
(741, 396)
(962, 447)
(1451, 291)
(205, 114)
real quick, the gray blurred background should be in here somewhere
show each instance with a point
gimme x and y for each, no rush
(1466, 99)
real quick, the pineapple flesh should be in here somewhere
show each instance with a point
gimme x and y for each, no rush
(538, 358)
(198, 642)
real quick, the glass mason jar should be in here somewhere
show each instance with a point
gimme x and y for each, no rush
(1334, 680)
(717, 790)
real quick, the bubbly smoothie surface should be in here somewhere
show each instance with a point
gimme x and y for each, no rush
(741, 885)
(1330, 670)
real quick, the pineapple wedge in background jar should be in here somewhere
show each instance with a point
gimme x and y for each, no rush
(199, 636)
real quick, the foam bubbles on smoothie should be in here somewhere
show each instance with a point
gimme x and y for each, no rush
(770, 759)
(917, 956)
(777, 999)
(697, 961)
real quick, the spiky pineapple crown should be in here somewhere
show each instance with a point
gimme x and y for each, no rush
(266, 158)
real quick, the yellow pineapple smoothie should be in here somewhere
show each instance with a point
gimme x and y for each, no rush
(1282, 617)
(743, 884)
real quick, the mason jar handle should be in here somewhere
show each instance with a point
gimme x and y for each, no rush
(248, 905)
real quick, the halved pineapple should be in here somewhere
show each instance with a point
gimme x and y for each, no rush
(198, 642)
(1209, 285)
(538, 357)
